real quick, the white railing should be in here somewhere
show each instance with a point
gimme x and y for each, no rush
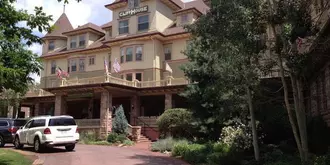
(88, 123)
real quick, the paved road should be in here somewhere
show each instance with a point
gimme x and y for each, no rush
(104, 155)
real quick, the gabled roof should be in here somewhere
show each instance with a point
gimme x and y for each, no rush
(107, 25)
(87, 26)
(198, 5)
(61, 25)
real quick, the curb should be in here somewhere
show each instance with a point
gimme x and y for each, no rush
(35, 162)
(38, 162)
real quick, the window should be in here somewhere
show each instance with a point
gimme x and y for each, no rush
(143, 23)
(129, 54)
(51, 45)
(110, 33)
(73, 64)
(81, 40)
(61, 122)
(123, 27)
(138, 53)
(91, 60)
(184, 18)
(129, 77)
(19, 123)
(4, 124)
(73, 42)
(133, 4)
(168, 52)
(81, 64)
(38, 123)
(122, 76)
(53, 67)
(122, 55)
(28, 125)
(138, 76)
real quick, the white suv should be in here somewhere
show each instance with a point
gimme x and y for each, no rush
(48, 131)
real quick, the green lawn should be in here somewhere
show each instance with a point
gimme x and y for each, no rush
(8, 157)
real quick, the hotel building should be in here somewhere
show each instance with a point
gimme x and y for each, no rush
(146, 38)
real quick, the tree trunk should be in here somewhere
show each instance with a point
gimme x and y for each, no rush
(302, 119)
(253, 124)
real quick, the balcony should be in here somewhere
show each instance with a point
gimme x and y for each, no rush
(169, 81)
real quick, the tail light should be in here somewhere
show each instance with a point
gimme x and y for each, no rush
(47, 131)
(77, 130)
(12, 130)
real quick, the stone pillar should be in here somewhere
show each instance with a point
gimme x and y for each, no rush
(36, 109)
(135, 109)
(60, 105)
(168, 101)
(105, 114)
(136, 133)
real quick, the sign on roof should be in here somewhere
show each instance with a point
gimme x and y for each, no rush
(133, 11)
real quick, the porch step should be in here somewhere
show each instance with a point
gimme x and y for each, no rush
(143, 139)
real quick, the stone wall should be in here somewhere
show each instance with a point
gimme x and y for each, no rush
(105, 114)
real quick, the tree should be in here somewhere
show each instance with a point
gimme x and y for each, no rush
(16, 61)
(120, 123)
(226, 63)
(289, 22)
(11, 99)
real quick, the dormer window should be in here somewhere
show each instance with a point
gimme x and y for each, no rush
(133, 3)
(82, 41)
(51, 45)
(184, 18)
(73, 42)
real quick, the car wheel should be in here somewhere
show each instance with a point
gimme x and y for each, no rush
(17, 143)
(37, 145)
(2, 142)
(70, 147)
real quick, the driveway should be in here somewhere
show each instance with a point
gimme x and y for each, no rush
(105, 155)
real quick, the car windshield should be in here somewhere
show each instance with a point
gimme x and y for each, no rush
(61, 122)
(18, 123)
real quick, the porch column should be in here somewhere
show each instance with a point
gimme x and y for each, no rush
(60, 105)
(135, 109)
(168, 101)
(36, 109)
(105, 114)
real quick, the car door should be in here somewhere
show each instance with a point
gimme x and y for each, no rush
(23, 133)
(37, 125)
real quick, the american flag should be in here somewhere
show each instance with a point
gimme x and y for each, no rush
(106, 68)
(61, 73)
(116, 66)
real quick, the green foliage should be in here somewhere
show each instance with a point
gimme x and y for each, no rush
(128, 142)
(17, 63)
(175, 123)
(88, 136)
(120, 123)
(102, 143)
(115, 138)
(167, 144)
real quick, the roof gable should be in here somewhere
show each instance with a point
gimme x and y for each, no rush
(61, 25)
(88, 26)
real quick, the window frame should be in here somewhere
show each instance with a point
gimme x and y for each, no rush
(49, 45)
(138, 23)
(91, 60)
(80, 41)
(33, 126)
(71, 66)
(129, 74)
(132, 54)
(168, 47)
(53, 67)
(75, 41)
(123, 20)
(132, 4)
(135, 52)
(81, 69)
(184, 21)
(141, 76)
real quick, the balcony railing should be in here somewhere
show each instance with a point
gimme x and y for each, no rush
(109, 79)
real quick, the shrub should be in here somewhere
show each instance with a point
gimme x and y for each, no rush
(100, 143)
(179, 149)
(120, 123)
(128, 142)
(176, 123)
(167, 144)
(114, 138)
(195, 154)
(88, 136)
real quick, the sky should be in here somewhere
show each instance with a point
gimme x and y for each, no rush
(78, 13)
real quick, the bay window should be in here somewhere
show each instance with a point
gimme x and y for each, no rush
(51, 45)
(81, 64)
(129, 77)
(168, 52)
(73, 65)
(138, 53)
(138, 76)
(129, 54)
